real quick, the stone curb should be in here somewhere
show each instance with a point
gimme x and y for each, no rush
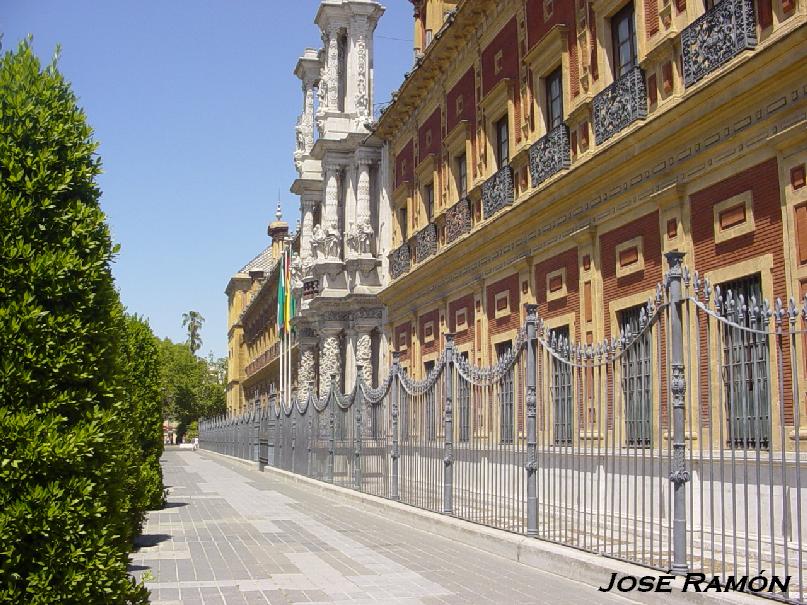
(564, 561)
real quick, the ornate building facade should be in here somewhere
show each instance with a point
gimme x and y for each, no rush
(339, 175)
(551, 151)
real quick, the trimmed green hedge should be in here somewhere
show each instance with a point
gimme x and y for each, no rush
(74, 479)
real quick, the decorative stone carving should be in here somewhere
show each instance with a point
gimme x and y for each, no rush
(296, 272)
(549, 154)
(333, 69)
(425, 242)
(715, 37)
(497, 191)
(619, 105)
(330, 362)
(364, 347)
(359, 238)
(362, 100)
(458, 219)
(306, 372)
(399, 261)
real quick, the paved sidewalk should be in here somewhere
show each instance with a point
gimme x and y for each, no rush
(233, 535)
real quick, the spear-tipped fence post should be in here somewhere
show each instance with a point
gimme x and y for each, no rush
(394, 492)
(679, 474)
(448, 460)
(332, 426)
(358, 403)
(531, 312)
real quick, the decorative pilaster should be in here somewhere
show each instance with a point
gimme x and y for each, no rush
(362, 100)
(364, 348)
(361, 233)
(306, 373)
(307, 228)
(333, 68)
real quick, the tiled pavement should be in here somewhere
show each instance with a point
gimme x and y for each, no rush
(233, 535)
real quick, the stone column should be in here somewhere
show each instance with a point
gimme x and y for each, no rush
(307, 228)
(306, 374)
(364, 349)
(360, 95)
(330, 358)
(363, 193)
(330, 218)
(350, 359)
(333, 67)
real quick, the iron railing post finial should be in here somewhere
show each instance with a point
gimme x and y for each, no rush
(448, 460)
(394, 493)
(679, 474)
(531, 311)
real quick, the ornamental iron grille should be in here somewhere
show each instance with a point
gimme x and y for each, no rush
(400, 261)
(746, 365)
(619, 105)
(458, 219)
(425, 242)
(550, 154)
(723, 32)
(497, 191)
(675, 443)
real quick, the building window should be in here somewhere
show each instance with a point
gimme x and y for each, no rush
(636, 378)
(746, 367)
(428, 200)
(430, 416)
(562, 394)
(623, 36)
(506, 395)
(402, 223)
(462, 175)
(502, 143)
(554, 100)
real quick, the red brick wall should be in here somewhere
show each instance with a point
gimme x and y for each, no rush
(467, 303)
(570, 302)
(614, 287)
(506, 41)
(404, 164)
(432, 124)
(537, 27)
(763, 181)
(434, 345)
(406, 329)
(465, 88)
(497, 326)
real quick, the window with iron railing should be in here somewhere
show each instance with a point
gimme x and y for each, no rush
(506, 395)
(562, 388)
(636, 378)
(746, 366)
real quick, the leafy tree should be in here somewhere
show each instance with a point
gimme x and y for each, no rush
(193, 320)
(67, 516)
(140, 373)
(190, 390)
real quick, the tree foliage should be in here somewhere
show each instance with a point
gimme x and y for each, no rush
(69, 420)
(191, 387)
(193, 320)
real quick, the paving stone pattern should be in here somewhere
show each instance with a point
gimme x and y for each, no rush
(233, 535)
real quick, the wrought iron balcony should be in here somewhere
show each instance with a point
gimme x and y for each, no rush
(458, 219)
(716, 36)
(497, 191)
(619, 105)
(400, 261)
(549, 154)
(425, 242)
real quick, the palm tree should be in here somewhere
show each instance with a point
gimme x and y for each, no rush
(193, 320)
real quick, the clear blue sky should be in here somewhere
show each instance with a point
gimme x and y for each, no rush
(194, 103)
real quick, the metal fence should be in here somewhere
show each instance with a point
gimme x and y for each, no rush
(675, 445)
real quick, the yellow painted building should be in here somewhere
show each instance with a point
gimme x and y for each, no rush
(253, 345)
(551, 152)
